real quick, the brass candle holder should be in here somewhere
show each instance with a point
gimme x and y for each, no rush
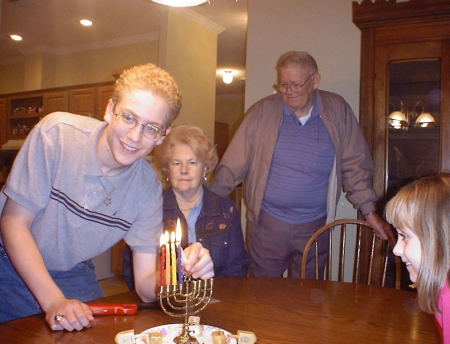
(184, 300)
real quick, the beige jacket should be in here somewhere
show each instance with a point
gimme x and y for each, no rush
(249, 156)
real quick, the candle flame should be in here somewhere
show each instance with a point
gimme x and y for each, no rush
(166, 237)
(172, 237)
(162, 239)
(178, 231)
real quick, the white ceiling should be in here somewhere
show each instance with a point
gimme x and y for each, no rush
(52, 26)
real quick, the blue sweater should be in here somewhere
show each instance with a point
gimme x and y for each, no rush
(297, 186)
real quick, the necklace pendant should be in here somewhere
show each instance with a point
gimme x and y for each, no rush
(107, 201)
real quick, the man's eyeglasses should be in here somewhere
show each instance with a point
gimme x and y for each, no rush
(294, 86)
(150, 131)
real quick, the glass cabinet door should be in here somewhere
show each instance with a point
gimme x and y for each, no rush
(413, 121)
(411, 113)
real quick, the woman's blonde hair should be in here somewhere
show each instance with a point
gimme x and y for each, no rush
(150, 78)
(423, 206)
(194, 138)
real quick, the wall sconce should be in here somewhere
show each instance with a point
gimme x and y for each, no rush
(227, 76)
(425, 119)
(403, 119)
(180, 3)
(398, 120)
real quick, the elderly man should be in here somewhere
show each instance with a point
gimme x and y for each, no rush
(293, 152)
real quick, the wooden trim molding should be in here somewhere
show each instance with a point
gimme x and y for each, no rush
(381, 12)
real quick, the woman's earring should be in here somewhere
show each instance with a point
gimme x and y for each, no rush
(205, 178)
(167, 179)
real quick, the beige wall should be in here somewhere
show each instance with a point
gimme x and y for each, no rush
(11, 79)
(32, 78)
(100, 65)
(84, 67)
(188, 50)
(324, 28)
(230, 109)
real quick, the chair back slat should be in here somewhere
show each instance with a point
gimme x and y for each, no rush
(316, 259)
(363, 270)
(357, 253)
(342, 253)
(372, 251)
(330, 256)
(385, 261)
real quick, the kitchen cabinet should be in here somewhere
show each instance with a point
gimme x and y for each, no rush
(104, 93)
(21, 111)
(82, 101)
(56, 101)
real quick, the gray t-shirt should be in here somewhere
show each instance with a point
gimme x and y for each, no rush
(81, 213)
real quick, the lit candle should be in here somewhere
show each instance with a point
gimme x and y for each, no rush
(167, 269)
(179, 254)
(162, 261)
(173, 260)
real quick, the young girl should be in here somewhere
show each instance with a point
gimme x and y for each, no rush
(420, 212)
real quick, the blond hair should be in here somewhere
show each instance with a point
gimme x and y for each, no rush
(299, 58)
(194, 138)
(150, 78)
(423, 206)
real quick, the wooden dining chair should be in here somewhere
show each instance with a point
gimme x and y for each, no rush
(370, 262)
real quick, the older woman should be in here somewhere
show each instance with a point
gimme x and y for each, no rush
(186, 158)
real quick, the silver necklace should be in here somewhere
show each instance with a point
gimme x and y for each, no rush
(108, 199)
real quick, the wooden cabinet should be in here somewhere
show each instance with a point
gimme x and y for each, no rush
(21, 111)
(82, 101)
(405, 67)
(3, 121)
(89, 101)
(104, 93)
(56, 101)
(405, 73)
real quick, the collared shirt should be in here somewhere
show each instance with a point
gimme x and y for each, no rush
(80, 212)
(191, 221)
(304, 119)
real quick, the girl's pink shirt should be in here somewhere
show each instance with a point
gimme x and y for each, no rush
(444, 318)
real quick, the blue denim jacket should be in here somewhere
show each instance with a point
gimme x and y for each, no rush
(218, 228)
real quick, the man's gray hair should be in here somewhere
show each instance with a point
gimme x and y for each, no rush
(300, 58)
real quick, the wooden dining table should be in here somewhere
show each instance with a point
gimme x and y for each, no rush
(277, 310)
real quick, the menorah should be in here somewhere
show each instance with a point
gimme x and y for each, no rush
(185, 299)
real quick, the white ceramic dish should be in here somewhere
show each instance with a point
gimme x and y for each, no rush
(170, 331)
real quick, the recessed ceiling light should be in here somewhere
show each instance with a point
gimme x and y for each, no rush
(16, 37)
(180, 3)
(86, 22)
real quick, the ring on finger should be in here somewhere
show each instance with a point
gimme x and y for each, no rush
(58, 317)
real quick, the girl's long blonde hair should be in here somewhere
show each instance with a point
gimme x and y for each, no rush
(423, 206)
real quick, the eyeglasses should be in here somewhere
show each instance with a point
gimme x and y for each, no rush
(294, 86)
(150, 131)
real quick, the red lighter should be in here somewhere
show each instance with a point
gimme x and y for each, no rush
(113, 308)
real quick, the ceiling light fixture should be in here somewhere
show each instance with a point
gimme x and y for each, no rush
(86, 22)
(16, 37)
(180, 3)
(227, 76)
